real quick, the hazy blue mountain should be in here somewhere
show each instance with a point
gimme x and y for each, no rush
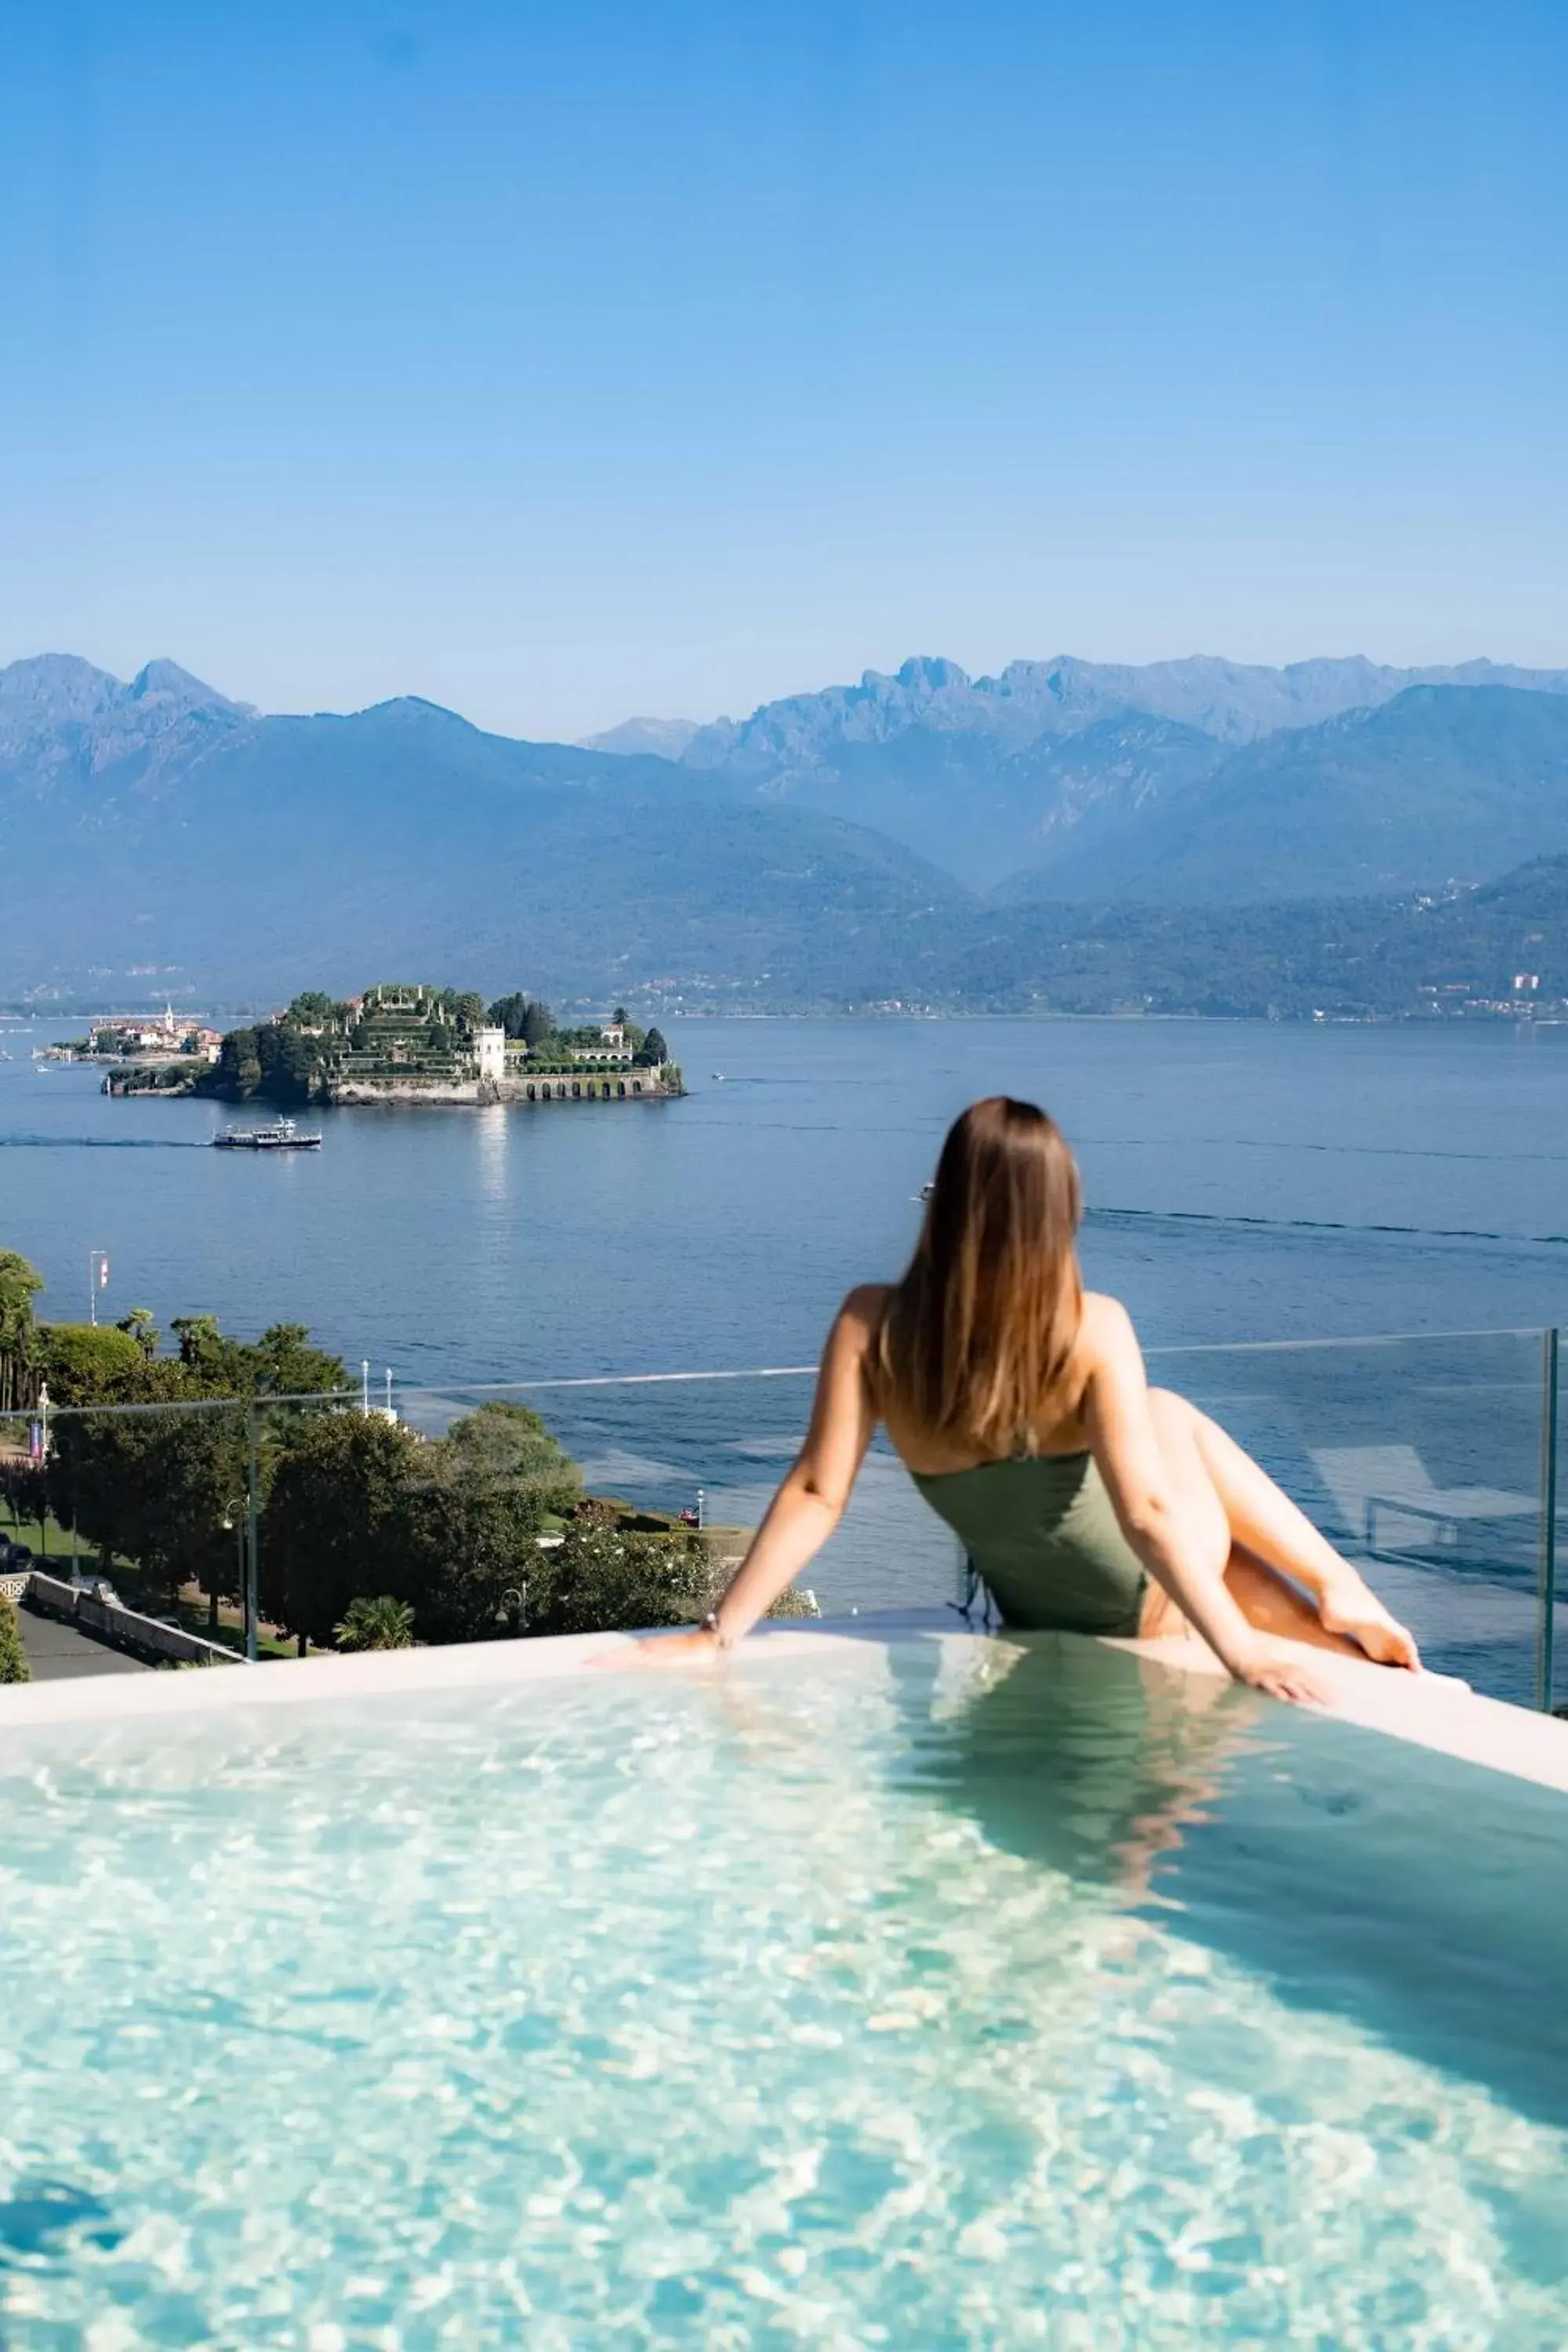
(158, 837)
(1441, 784)
(63, 722)
(1232, 701)
(666, 738)
(1457, 955)
(976, 774)
(970, 804)
(293, 851)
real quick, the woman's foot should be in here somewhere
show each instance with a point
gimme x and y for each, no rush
(1349, 1607)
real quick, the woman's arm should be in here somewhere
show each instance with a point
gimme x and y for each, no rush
(811, 1501)
(1163, 1527)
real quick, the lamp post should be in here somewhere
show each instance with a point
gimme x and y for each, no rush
(232, 1523)
(97, 1280)
(44, 1464)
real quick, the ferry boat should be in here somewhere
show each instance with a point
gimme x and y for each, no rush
(284, 1136)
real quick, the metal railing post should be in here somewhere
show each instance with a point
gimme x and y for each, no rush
(1546, 1577)
(252, 1483)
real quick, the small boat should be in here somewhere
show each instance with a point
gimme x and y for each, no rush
(719, 1076)
(284, 1136)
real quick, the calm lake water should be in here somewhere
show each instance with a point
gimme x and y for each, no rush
(1244, 1183)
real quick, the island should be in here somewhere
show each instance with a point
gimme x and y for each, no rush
(169, 1039)
(417, 1043)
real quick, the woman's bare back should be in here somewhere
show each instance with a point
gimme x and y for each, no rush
(1061, 1433)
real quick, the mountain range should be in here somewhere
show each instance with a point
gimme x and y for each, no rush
(923, 836)
(1056, 767)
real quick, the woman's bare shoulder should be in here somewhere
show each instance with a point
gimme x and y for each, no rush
(865, 1307)
(1106, 1327)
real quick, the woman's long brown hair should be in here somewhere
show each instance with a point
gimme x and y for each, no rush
(977, 1336)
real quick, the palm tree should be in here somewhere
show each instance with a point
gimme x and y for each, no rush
(139, 1326)
(379, 1624)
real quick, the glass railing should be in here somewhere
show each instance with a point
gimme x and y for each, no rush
(1430, 1461)
(714, 1447)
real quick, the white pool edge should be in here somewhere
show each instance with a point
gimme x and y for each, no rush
(1431, 1711)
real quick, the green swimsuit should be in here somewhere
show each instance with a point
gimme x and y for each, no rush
(1042, 1532)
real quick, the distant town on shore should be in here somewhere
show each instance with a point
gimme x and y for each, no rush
(396, 1042)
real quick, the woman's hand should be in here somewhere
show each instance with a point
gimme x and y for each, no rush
(692, 1645)
(1278, 1671)
(809, 1503)
(1349, 1607)
(692, 1641)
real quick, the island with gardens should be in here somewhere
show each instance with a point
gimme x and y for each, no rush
(413, 1042)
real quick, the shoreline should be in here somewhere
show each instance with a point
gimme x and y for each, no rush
(927, 1016)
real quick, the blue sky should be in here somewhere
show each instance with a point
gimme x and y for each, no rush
(563, 361)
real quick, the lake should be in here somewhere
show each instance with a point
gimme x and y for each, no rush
(1244, 1183)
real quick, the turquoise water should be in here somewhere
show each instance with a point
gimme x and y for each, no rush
(1019, 1994)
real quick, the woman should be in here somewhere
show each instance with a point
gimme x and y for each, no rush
(1089, 1502)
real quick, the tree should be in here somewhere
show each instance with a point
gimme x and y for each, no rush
(140, 1327)
(507, 1014)
(360, 1510)
(461, 1549)
(472, 1514)
(14, 1665)
(25, 1488)
(470, 1012)
(523, 1017)
(382, 1624)
(198, 1339)
(20, 1285)
(507, 1448)
(284, 1060)
(291, 1062)
(156, 1486)
(311, 1009)
(86, 1363)
(283, 1363)
(652, 1050)
(599, 1580)
(330, 1531)
(237, 1074)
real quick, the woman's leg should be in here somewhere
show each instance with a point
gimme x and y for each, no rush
(1267, 1525)
(1267, 1539)
(1262, 1518)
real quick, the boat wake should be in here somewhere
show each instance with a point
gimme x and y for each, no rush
(1114, 1217)
(98, 1143)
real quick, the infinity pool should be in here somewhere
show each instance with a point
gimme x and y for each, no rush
(939, 1994)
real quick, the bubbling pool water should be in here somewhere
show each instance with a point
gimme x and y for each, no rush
(879, 2002)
